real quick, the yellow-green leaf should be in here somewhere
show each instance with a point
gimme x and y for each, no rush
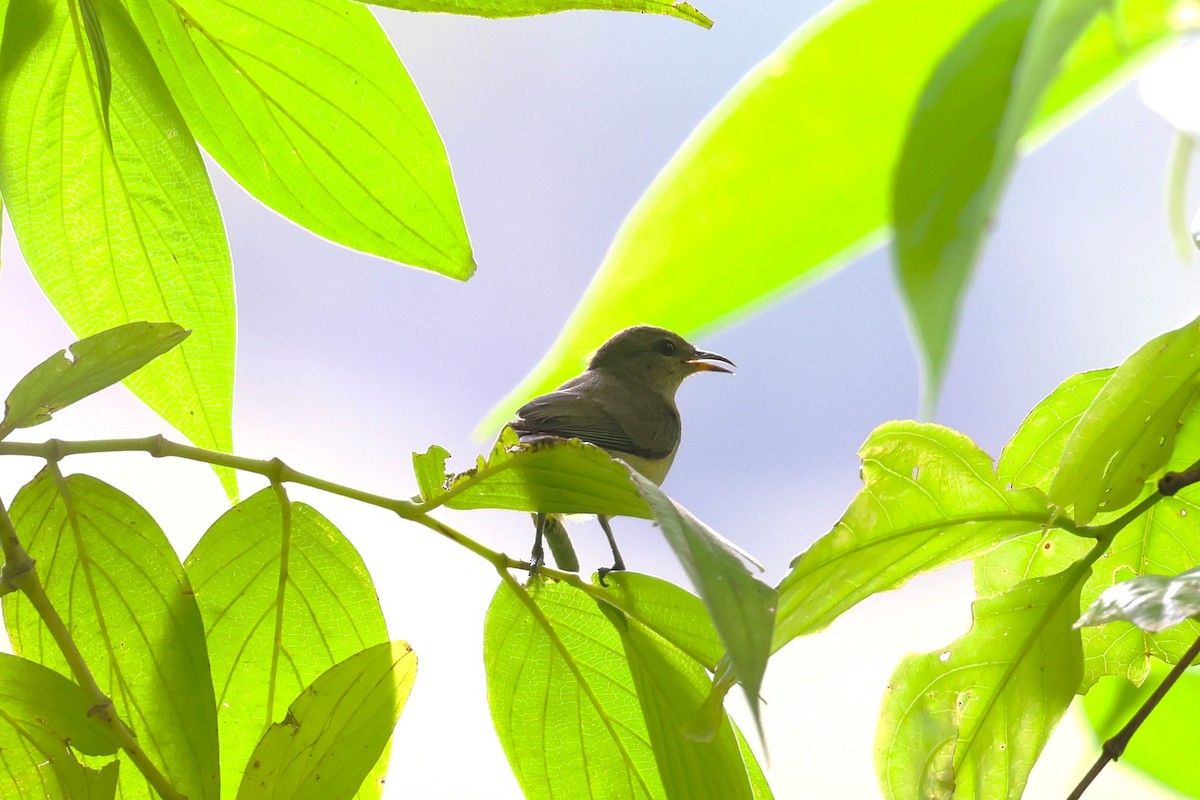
(305, 103)
(117, 219)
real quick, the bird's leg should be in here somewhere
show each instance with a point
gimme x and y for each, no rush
(618, 562)
(538, 556)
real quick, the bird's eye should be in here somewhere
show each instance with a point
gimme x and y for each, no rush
(666, 347)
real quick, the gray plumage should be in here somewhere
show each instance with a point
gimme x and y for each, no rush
(624, 403)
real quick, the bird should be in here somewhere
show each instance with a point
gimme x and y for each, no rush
(623, 403)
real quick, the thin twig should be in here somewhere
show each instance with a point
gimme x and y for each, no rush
(272, 469)
(1114, 748)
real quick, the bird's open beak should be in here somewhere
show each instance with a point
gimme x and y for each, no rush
(700, 362)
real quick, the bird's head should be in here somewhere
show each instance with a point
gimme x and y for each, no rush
(655, 356)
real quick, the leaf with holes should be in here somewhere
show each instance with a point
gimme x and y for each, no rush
(930, 498)
(98, 362)
(555, 476)
(1160, 540)
(116, 581)
(266, 576)
(970, 720)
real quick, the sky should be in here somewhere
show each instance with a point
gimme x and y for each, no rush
(554, 126)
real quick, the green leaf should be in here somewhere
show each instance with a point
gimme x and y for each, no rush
(1151, 602)
(43, 716)
(554, 476)
(1167, 739)
(498, 9)
(789, 177)
(758, 781)
(671, 687)
(1160, 540)
(569, 476)
(263, 580)
(1128, 432)
(305, 104)
(35, 695)
(116, 581)
(970, 720)
(930, 498)
(960, 148)
(589, 703)
(101, 67)
(673, 613)
(335, 730)
(99, 361)
(430, 469)
(118, 222)
(742, 607)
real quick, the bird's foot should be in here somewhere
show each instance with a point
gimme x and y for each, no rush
(603, 572)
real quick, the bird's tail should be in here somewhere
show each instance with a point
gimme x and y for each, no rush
(560, 544)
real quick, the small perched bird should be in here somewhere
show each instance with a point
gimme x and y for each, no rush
(625, 404)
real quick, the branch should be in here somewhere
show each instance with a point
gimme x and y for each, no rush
(1168, 485)
(272, 469)
(1114, 748)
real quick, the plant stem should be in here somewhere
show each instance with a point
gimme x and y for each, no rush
(1172, 482)
(1114, 748)
(285, 534)
(25, 578)
(272, 469)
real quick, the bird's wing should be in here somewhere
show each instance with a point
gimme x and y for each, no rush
(572, 416)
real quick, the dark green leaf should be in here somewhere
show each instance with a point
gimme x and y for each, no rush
(499, 9)
(116, 581)
(117, 219)
(1166, 742)
(930, 498)
(742, 607)
(589, 705)
(98, 362)
(305, 103)
(789, 176)
(335, 730)
(262, 583)
(1160, 541)
(1128, 432)
(960, 148)
(970, 720)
